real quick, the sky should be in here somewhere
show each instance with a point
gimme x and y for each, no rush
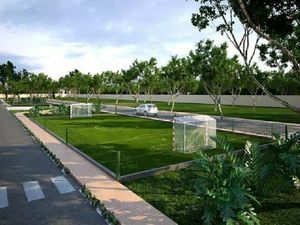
(58, 36)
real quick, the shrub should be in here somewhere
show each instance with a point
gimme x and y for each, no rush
(224, 188)
(285, 159)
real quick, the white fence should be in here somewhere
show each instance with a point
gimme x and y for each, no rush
(2, 96)
(245, 100)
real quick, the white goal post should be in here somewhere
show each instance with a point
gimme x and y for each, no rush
(81, 110)
(193, 133)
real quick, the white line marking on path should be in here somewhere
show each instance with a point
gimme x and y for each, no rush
(62, 184)
(3, 197)
(33, 191)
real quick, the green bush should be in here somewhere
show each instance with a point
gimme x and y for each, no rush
(35, 111)
(285, 159)
(223, 187)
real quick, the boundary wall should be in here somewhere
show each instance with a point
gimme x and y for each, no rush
(243, 100)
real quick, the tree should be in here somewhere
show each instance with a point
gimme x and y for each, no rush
(276, 21)
(54, 88)
(236, 82)
(212, 65)
(176, 78)
(18, 85)
(7, 73)
(225, 14)
(86, 85)
(252, 88)
(72, 82)
(133, 78)
(116, 82)
(284, 83)
(150, 78)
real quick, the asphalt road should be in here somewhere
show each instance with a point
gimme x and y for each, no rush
(238, 125)
(33, 191)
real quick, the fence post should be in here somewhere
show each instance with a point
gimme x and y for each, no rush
(45, 123)
(184, 137)
(286, 132)
(272, 129)
(67, 135)
(118, 169)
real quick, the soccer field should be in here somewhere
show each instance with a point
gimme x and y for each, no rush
(143, 143)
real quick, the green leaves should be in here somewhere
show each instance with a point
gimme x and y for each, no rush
(223, 187)
(255, 161)
(287, 155)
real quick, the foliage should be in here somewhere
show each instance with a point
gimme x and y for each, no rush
(35, 111)
(173, 193)
(225, 14)
(223, 187)
(279, 19)
(176, 78)
(214, 68)
(286, 158)
(276, 169)
(255, 160)
(60, 110)
(141, 76)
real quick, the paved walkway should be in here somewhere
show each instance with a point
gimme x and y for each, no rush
(129, 208)
(32, 189)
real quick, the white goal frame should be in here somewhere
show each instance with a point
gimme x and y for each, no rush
(193, 133)
(84, 106)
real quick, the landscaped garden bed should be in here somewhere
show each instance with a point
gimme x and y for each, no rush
(173, 193)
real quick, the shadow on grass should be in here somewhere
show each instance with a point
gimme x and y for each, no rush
(270, 206)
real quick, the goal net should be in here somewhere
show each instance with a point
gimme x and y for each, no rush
(81, 110)
(193, 133)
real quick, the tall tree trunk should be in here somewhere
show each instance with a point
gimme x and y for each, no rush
(151, 95)
(173, 104)
(235, 94)
(117, 101)
(218, 98)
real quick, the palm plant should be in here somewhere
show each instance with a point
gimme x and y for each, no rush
(224, 188)
(286, 158)
(256, 161)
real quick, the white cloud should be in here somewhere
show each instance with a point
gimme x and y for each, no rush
(94, 36)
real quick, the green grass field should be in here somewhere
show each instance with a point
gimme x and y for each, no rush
(144, 143)
(260, 113)
(173, 193)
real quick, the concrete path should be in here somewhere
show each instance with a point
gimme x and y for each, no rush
(129, 208)
(29, 191)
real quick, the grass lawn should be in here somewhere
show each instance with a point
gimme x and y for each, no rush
(144, 143)
(173, 193)
(260, 113)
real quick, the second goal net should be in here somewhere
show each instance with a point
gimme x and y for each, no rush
(193, 133)
(81, 110)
